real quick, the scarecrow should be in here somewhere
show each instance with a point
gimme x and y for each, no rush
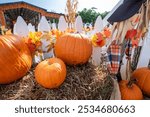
(130, 24)
(130, 20)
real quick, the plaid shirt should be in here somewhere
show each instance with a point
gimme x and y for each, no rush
(128, 50)
(114, 58)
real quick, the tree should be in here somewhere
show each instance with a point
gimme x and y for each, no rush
(104, 14)
(90, 15)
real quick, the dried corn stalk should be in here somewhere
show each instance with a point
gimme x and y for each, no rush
(71, 9)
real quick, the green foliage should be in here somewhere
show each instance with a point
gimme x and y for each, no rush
(90, 15)
(104, 14)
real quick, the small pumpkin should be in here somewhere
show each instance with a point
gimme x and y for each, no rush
(142, 76)
(130, 91)
(73, 49)
(15, 58)
(50, 73)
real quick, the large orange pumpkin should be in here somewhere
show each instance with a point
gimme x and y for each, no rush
(130, 91)
(73, 49)
(50, 73)
(15, 58)
(143, 79)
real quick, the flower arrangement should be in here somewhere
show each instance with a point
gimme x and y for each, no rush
(99, 39)
(56, 33)
(34, 41)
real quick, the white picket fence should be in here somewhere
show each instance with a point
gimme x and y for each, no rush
(22, 29)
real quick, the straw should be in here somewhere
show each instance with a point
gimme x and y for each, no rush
(85, 82)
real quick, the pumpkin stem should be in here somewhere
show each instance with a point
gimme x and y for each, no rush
(129, 84)
(48, 61)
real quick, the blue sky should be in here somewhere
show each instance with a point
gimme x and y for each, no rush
(59, 5)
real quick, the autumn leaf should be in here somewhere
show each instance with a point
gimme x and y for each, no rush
(106, 33)
(131, 34)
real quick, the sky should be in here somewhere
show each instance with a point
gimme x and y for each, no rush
(59, 5)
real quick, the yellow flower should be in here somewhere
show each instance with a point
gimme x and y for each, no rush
(31, 35)
(94, 40)
(35, 36)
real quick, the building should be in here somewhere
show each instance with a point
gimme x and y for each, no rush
(30, 13)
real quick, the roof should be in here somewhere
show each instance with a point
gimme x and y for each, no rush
(22, 2)
(10, 11)
(10, 3)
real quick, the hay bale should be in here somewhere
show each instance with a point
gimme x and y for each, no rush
(84, 82)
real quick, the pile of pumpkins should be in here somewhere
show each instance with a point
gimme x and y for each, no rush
(71, 49)
(138, 85)
(16, 60)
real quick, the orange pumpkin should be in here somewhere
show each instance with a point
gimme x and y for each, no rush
(73, 49)
(130, 91)
(143, 79)
(15, 58)
(50, 73)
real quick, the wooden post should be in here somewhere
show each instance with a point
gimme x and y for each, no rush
(2, 18)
